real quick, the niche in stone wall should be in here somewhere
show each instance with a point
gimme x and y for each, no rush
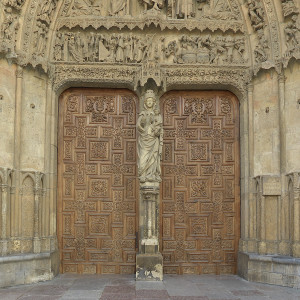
(27, 210)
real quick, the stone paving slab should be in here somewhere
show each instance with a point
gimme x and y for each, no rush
(124, 287)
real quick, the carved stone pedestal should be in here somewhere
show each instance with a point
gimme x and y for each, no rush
(149, 263)
(149, 267)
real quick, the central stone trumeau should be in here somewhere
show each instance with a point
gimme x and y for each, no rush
(149, 261)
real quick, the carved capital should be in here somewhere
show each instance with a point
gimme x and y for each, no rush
(19, 72)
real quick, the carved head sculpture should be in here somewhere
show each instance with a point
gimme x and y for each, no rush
(149, 100)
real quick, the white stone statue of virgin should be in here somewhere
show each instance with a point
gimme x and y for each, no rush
(150, 140)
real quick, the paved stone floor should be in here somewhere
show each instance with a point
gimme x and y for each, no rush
(204, 287)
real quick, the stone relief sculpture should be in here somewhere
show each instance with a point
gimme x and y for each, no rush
(289, 7)
(153, 4)
(47, 10)
(292, 32)
(184, 9)
(135, 48)
(9, 30)
(118, 7)
(84, 7)
(40, 38)
(215, 10)
(150, 140)
(256, 14)
(17, 4)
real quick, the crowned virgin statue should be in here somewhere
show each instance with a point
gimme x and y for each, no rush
(150, 141)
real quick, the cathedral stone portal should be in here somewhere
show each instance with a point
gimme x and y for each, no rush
(148, 137)
(111, 208)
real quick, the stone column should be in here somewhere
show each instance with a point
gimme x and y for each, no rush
(36, 226)
(16, 205)
(149, 261)
(296, 215)
(5, 189)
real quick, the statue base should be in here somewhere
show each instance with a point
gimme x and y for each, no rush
(149, 267)
(149, 246)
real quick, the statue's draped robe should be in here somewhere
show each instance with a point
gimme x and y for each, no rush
(149, 147)
(118, 7)
(184, 7)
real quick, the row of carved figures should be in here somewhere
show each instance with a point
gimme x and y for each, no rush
(129, 48)
(178, 9)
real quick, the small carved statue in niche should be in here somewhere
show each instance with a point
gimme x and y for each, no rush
(155, 4)
(292, 32)
(9, 29)
(47, 10)
(118, 7)
(85, 7)
(184, 9)
(150, 140)
(59, 46)
(260, 51)
(288, 7)
(15, 3)
(256, 14)
(80, 7)
(40, 38)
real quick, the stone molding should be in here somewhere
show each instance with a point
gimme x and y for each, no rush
(234, 78)
(141, 24)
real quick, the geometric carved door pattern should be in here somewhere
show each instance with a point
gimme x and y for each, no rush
(200, 187)
(97, 185)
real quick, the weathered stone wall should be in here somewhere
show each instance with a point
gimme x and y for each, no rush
(270, 247)
(292, 110)
(28, 246)
(266, 124)
(33, 121)
(7, 113)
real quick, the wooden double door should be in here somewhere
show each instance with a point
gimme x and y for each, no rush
(98, 188)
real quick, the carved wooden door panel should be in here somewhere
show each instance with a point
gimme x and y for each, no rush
(97, 181)
(200, 187)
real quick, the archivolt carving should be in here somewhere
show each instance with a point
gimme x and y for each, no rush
(289, 8)
(10, 26)
(291, 30)
(265, 24)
